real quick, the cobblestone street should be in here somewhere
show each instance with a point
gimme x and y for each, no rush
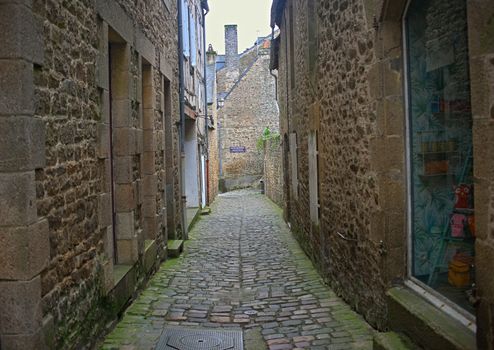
(242, 268)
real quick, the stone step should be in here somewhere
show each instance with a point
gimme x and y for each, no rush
(392, 341)
(175, 248)
(206, 211)
(429, 327)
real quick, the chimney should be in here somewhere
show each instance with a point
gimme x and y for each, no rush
(211, 55)
(232, 63)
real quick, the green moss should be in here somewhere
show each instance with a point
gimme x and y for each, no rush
(195, 220)
(168, 264)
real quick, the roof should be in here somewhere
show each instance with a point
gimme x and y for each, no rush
(264, 42)
(220, 62)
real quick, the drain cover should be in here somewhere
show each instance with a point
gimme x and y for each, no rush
(200, 339)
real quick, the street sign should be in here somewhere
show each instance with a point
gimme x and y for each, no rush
(238, 149)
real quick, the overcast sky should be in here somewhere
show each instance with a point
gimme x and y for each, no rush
(251, 16)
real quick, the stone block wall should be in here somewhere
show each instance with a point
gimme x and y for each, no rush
(214, 165)
(24, 239)
(341, 75)
(323, 89)
(95, 99)
(273, 171)
(481, 46)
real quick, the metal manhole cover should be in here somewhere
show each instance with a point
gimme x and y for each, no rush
(200, 339)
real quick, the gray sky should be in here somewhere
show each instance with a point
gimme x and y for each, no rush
(251, 16)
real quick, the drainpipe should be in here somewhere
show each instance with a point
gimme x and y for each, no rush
(182, 114)
(206, 129)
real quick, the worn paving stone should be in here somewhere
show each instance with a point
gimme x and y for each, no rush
(242, 268)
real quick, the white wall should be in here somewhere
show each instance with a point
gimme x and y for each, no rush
(191, 165)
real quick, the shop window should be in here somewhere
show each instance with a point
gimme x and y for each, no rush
(440, 148)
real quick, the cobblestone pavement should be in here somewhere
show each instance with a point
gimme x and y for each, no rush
(242, 268)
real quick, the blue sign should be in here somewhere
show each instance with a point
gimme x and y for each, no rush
(238, 149)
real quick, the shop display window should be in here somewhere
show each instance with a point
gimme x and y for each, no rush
(440, 148)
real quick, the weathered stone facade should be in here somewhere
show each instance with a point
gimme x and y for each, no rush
(213, 158)
(91, 122)
(195, 141)
(273, 170)
(341, 81)
(249, 108)
(481, 51)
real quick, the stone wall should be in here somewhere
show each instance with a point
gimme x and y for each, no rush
(249, 109)
(213, 160)
(106, 75)
(341, 76)
(214, 165)
(273, 170)
(323, 88)
(481, 49)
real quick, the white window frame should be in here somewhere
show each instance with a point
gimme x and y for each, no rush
(312, 143)
(294, 163)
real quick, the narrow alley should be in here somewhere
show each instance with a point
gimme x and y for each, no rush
(255, 175)
(242, 268)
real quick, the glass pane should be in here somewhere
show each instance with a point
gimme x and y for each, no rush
(443, 229)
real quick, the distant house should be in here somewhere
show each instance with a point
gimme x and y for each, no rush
(246, 89)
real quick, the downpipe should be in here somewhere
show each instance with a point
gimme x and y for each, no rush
(185, 234)
(206, 114)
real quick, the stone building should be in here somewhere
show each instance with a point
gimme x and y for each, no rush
(273, 170)
(386, 120)
(213, 154)
(246, 91)
(89, 162)
(194, 107)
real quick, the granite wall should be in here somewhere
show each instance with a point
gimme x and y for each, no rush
(97, 87)
(249, 108)
(341, 77)
(273, 170)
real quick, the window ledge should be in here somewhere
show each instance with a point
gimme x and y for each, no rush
(430, 327)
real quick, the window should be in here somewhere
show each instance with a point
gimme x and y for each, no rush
(313, 177)
(185, 28)
(294, 164)
(193, 38)
(440, 148)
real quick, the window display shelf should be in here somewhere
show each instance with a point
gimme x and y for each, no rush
(429, 176)
(466, 211)
(436, 153)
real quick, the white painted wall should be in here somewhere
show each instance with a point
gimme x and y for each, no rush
(191, 165)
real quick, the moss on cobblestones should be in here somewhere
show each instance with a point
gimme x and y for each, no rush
(242, 268)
